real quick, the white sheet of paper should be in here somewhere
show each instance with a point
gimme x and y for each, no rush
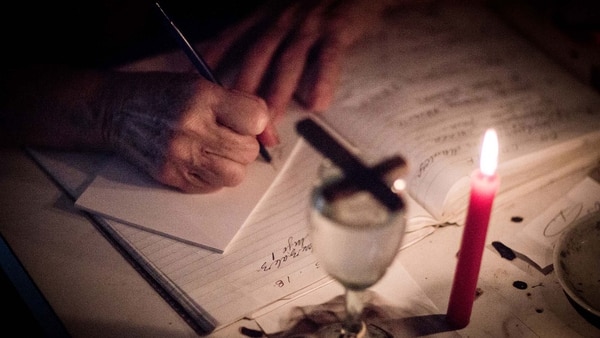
(121, 192)
(397, 289)
(537, 239)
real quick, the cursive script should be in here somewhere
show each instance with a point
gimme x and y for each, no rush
(294, 248)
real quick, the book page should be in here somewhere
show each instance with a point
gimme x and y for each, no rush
(429, 87)
(269, 257)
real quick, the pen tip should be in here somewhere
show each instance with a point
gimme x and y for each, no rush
(265, 153)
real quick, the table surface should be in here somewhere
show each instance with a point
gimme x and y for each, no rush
(96, 292)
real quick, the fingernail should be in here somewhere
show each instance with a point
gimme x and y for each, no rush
(269, 137)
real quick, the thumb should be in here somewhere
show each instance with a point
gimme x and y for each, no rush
(269, 137)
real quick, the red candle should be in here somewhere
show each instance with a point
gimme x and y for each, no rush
(484, 185)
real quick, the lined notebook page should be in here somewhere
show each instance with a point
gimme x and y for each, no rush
(440, 80)
(269, 258)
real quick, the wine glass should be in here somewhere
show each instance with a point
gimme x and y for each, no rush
(355, 239)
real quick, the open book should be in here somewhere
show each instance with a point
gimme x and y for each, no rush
(426, 86)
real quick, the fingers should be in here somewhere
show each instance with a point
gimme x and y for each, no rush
(179, 176)
(199, 170)
(284, 66)
(242, 112)
(216, 49)
(316, 88)
(183, 130)
(294, 49)
(269, 137)
(205, 158)
(346, 22)
(211, 149)
(259, 56)
(212, 140)
(300, 52)
(289, 66)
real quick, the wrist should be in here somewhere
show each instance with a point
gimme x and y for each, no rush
(139, 113)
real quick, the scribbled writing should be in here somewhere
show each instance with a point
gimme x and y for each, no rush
(566, 217)
(287, 280)
(294, 248)
(452, 136)
(282, 282)
(418, 117)
(424, 165)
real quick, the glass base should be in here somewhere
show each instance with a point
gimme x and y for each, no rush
(368, 331)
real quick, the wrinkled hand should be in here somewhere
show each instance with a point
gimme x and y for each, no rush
(184, 131)
(294, 48)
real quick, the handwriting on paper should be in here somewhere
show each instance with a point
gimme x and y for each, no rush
(290, 279)
(440, 108)
(536, 241)
(568, 215)
(294, 249)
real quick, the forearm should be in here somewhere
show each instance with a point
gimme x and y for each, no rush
(53, 107)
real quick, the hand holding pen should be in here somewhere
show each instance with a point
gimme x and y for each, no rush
(198, 62)
(181, 130)
(187, 132)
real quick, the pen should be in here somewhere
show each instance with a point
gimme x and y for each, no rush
(352, 167)
(199, 63)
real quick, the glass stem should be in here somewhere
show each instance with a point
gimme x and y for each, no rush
(353, 324)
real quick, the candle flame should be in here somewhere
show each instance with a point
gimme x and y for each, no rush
(489, 153)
